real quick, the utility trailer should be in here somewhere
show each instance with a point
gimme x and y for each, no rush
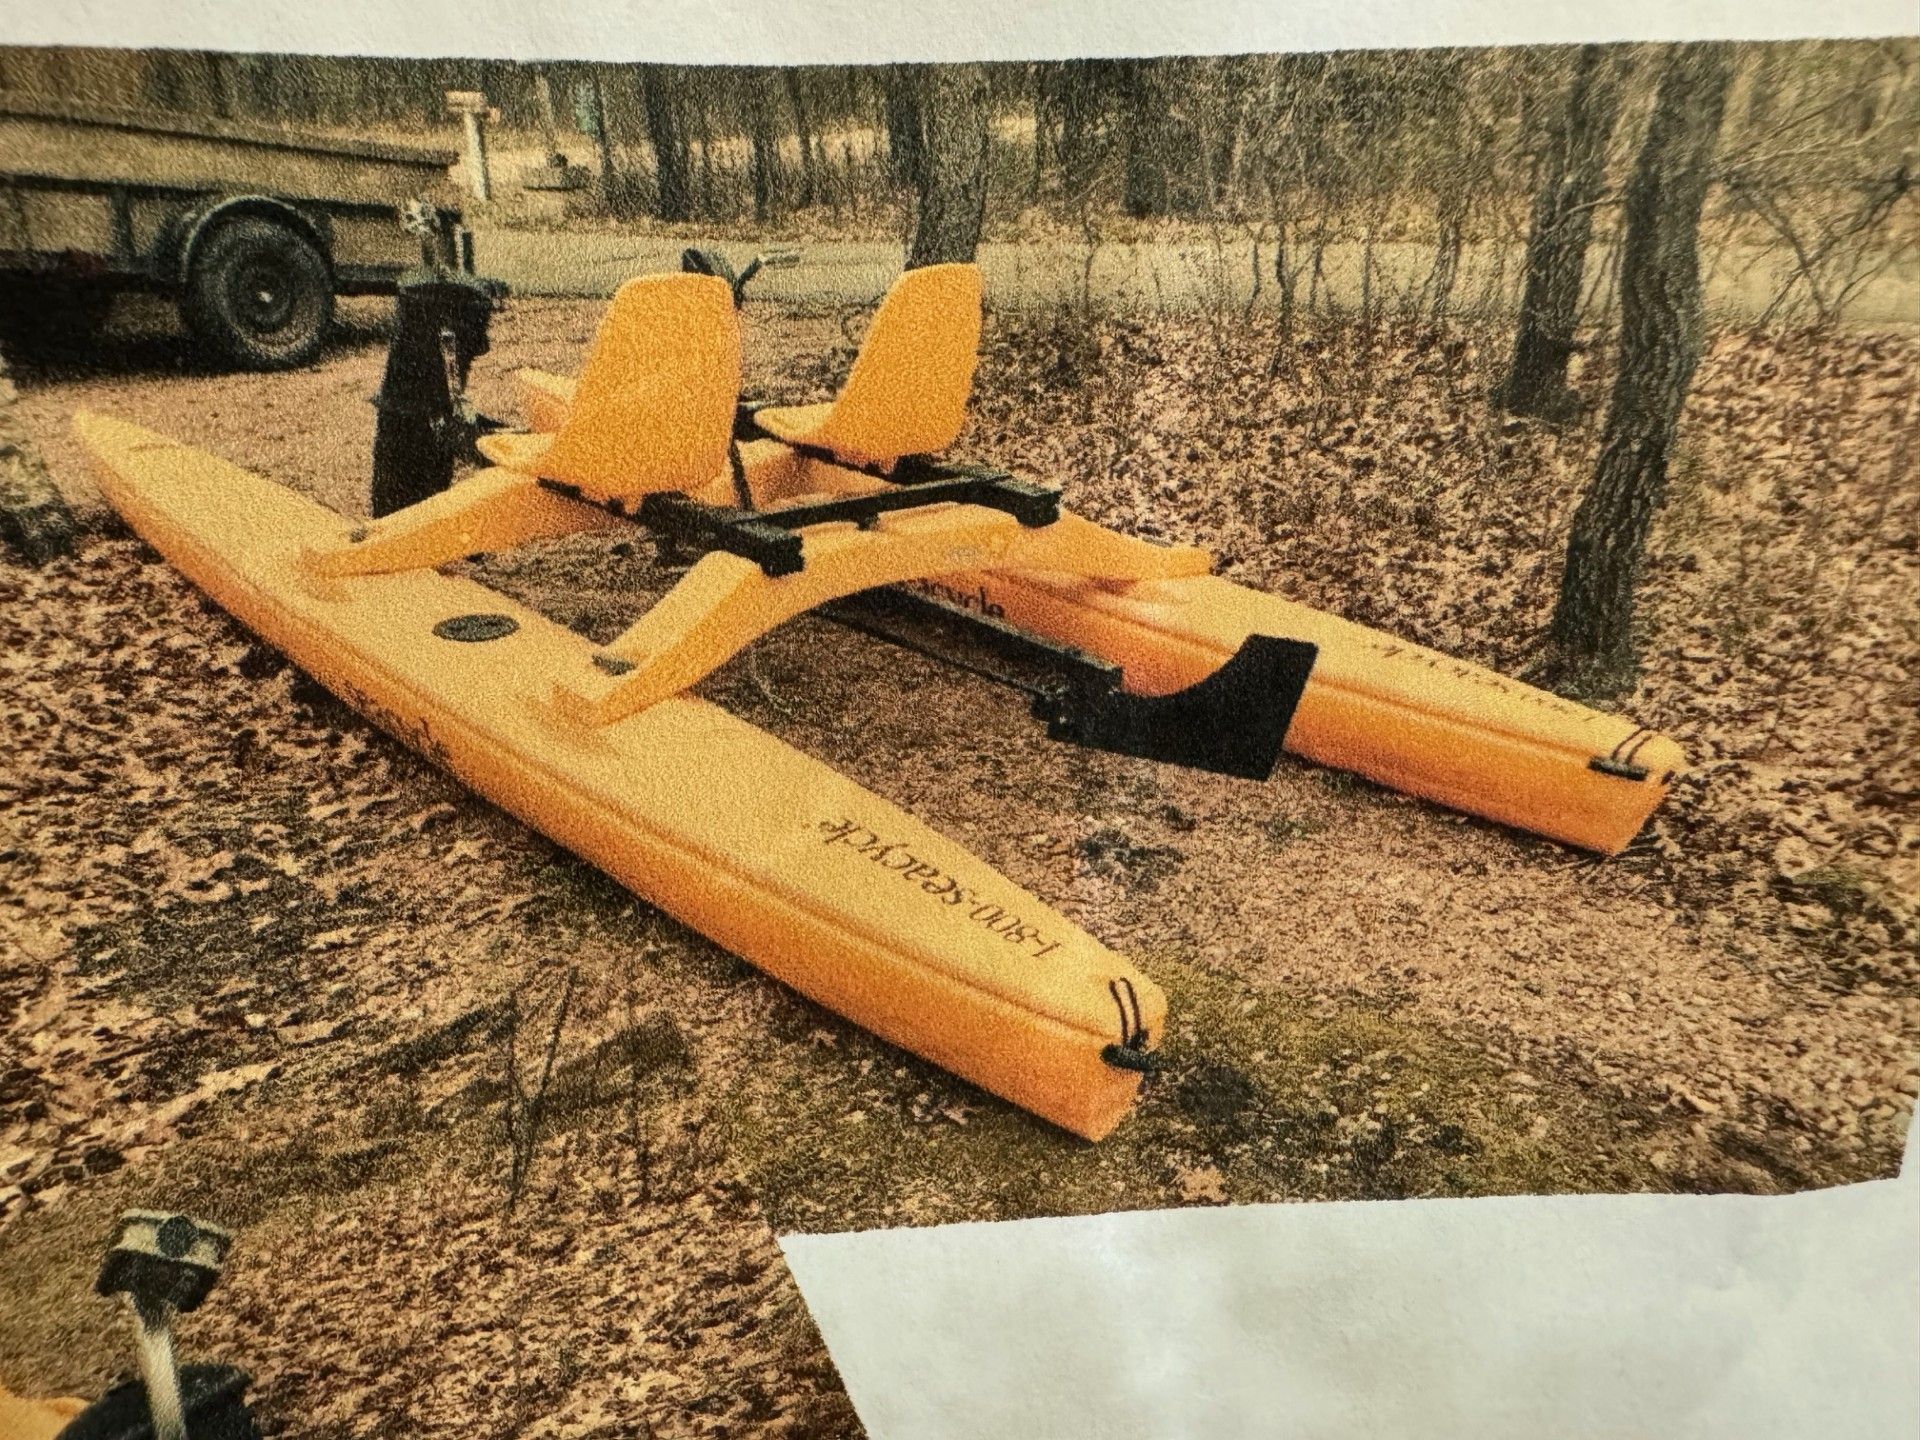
(251, 229)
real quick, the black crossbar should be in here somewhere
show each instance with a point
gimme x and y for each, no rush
(767, 537)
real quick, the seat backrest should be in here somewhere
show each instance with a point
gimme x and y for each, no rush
(908, 391)
(654, 406)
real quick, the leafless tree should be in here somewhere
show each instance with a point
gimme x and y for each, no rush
(951, 183)
(811, 189)
(1083, 94)
(666, 114)
(903, 102)
(1148, 129)
(1660, 341)
(762, 105)
(1572, 182)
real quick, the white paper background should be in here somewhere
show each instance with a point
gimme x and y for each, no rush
(1581, 1317)
(1596, 1316)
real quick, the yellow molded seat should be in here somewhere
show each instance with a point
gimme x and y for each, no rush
(654, 406)
(907, 394)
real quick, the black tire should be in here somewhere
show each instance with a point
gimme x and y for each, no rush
(259, 295)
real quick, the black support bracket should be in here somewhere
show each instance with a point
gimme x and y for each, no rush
(1234, 722)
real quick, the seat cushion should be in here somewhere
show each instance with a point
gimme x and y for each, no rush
(795, 424)
(514, 450)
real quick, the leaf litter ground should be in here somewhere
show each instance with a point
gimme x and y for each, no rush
(263, 963)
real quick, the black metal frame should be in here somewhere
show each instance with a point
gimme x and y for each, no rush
(426, 427)
(1234, 722)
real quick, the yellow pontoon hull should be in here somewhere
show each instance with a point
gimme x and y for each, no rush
(1409, 717)
(771, 853)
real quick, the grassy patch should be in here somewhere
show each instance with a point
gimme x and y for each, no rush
(1264, 1099)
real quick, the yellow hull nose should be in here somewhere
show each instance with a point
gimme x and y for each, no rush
(771, 853)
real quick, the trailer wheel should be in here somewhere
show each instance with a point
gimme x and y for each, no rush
(259, 294)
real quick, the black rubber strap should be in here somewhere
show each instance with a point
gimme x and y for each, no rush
(1122, 1057)
(1131, 1053)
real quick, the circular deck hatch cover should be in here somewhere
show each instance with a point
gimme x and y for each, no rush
(476, 627)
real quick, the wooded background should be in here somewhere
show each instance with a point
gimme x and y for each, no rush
(1442, 144)
(1804, 150)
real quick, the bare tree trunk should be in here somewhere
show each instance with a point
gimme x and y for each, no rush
(1286, 276)
(610, 186)
(1574, 176)
(952, 189)
(1661, 332)
(543, 106)
(429, 87)
(903, 89)
(243, 85)
(1231, 81)
(1145, 189)
(1081, 93)
(667, 130)
(810, 189)
(763, 129)
(1450, 223)
(222, 85)
(1043, 107)
(1235, 170)
(704, 203)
